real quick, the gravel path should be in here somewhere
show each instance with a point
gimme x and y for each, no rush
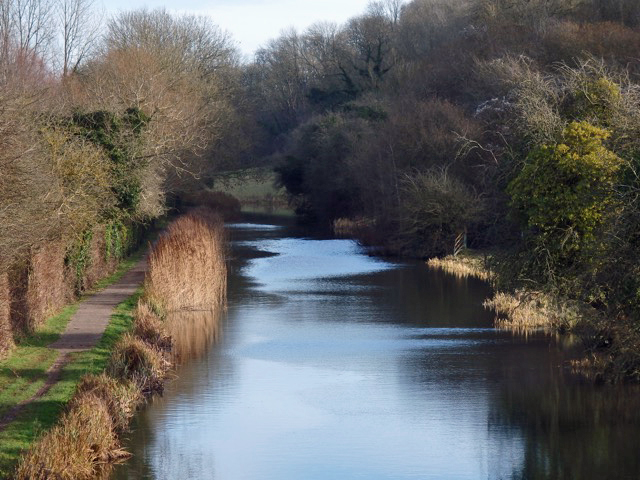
(85, 329)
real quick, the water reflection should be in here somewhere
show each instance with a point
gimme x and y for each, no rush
(193, 332)
(335, 365)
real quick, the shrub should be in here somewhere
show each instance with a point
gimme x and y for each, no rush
(134, 360)
(78, 448)
(562, 196)
(434, 208)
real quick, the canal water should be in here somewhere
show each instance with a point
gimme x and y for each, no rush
(331, 364)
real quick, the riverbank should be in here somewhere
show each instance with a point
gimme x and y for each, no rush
(25, 372)
(133, 358)
(611, 349)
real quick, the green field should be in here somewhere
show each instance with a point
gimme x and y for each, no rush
(255, 188)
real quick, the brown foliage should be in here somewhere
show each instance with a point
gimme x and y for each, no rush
(6, 335)
(614, 43)
(134, 360)
(48, 287)
(120, 398)
(151, 328)
(187, 268)
(78, 448)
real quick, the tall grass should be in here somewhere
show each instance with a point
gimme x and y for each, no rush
(527, 310)
(462, 266)
(80, 447)
(187, 268)
(184, 288)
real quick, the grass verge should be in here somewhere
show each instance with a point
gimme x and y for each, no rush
(133, 358)
(44, 412)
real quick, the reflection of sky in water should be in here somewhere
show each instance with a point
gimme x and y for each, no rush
(310, 265)
(252, 226)
(311, 383)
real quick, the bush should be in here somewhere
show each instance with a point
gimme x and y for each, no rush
(78, 448)
(434, 208)
(134, 360)
(562, 196)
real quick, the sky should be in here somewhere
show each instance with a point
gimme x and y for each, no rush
(252, 23)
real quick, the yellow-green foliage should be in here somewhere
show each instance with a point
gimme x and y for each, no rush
(82, 185)
(596, 99)
(565, 190)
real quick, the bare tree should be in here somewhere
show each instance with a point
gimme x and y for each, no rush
(79, 22)
(32, 20)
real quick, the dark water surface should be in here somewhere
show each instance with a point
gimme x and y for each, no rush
(330, 364)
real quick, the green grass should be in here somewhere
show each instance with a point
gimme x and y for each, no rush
(250, 186)
(24, 371)
(43, 413)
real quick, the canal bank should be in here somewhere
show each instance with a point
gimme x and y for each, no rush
(333, 364)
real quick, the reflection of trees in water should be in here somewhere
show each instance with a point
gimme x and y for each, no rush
(571, 431)
(426, 297)
(193, 332)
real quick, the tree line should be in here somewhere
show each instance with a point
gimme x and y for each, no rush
(515, 121)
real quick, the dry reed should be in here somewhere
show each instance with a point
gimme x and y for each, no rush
(81, 446)
(526, 310)
(120, 397)
(150, 328)
(135, 360)
(462, 266)
(187, 268)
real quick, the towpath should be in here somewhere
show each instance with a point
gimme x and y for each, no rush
(85, 329)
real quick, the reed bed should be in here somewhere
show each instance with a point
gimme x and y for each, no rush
(187, 268)
(82, 446)
(462, 266)
(135, 360)
(527, 310)
(151, 329)
(187, 274)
